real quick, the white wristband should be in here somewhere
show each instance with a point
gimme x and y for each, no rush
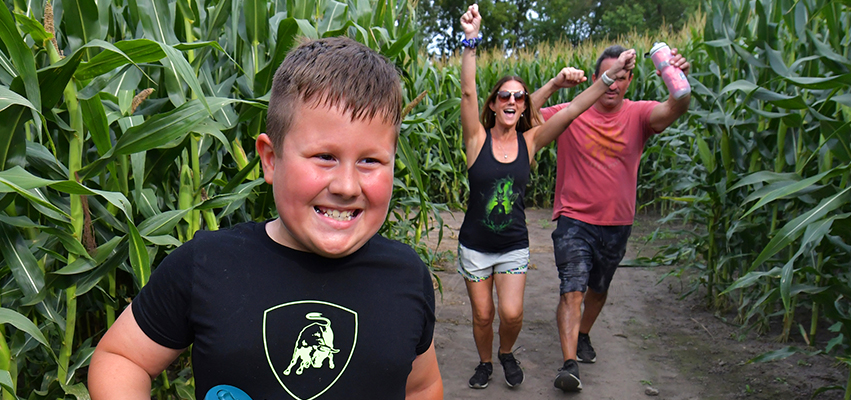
(606, 80)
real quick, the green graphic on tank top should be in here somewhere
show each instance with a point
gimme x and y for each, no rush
(498, 208)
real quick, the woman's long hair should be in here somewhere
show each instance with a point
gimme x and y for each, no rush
(530, 117)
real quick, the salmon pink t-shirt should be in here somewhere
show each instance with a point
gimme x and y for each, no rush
(597, 163)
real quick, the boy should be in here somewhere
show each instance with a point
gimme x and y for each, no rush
(313, 304)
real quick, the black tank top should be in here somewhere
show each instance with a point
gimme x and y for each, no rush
(495, 221)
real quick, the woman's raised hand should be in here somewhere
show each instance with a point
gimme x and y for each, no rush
(625, 63)
(569, 77)
(471, 21)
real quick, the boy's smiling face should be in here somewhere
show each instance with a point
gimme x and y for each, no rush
(332, 180)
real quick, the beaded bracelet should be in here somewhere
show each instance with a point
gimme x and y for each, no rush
(471, 43)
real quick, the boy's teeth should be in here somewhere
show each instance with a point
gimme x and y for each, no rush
(339, 215)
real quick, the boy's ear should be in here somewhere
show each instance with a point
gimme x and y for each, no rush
(266, 152)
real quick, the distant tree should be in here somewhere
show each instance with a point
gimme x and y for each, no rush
(520, 23)
(577, 20)
(505, 23)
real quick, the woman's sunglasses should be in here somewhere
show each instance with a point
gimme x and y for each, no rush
(504, 95)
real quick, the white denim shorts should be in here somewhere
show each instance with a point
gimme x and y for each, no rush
(476, 266)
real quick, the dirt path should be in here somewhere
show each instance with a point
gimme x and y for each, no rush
(644, 337)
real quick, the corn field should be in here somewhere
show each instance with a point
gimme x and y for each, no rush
(128, 127)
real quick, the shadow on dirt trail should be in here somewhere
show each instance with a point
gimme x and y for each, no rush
(645, 337)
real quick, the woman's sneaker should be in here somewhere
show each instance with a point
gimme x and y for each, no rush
(584, 351)
(568, 377)
(482, 376)
(513, 374)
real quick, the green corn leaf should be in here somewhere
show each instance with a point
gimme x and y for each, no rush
(19, 180)
(793, 229)
(113, 257)
(241, 175)
(9, 98)
(139, 259)
(26, 271)
(54, 79)
(823, 50)
(781, 354)
(288, 31)
(752, 278)
(222, 200)
(780, 100)
(11, 181)
(333, 18)
(19, 222)
(818, 83)
(162, 223)
(256, 20)
(23, 264)
(178, 65)
(94, 118)
(33, 28)
(13, 142)
(300, 9)
(706, 156)
(217, 18)
(77, 267)
(71, 244)
(137, 51)
(157, 21)
(813, 235)
(243, 188)
(164, 129)
(844, 99)
(399, 45)
(163, 240)
(765, 177)
(81, 22)
(408, 157)
(787, 274)
(22, 323)
(21, 56)
(793, 187)
(6, 382)
(161, 131)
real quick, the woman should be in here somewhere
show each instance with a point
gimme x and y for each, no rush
(500, 145)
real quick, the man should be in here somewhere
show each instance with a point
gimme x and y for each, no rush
(597, 161)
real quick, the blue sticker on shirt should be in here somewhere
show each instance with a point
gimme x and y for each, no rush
(226, 392)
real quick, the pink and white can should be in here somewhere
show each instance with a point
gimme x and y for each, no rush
(674, 77)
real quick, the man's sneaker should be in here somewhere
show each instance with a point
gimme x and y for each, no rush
(584, 351)
(568, 377)
(513, 374)
(482, 376)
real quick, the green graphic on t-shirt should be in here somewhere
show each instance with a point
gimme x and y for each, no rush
(498, 208)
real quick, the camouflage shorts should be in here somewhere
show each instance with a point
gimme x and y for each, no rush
(588, 255)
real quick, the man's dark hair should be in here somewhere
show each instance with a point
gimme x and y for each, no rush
(610, 52)
(334, 72)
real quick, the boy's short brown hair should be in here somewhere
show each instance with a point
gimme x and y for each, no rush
(330, 72)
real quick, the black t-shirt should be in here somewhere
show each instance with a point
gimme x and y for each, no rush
(495, 221)
(284, 324)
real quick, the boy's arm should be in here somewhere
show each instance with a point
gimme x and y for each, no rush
(126, 360)
(424, 382)
(664, 114)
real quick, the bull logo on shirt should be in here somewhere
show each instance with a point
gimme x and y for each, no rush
(315, 344)
(309, 345)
